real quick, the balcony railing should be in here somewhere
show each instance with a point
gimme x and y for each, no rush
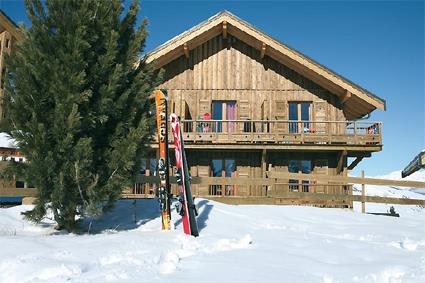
(282, 132)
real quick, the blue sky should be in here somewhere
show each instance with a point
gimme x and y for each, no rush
(378, 45)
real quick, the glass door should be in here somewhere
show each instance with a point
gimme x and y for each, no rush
(293, 117)
(299, 117)
(222, 111)
(217, 114)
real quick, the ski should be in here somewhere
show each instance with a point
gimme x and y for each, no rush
(186, 207)
(163, 172)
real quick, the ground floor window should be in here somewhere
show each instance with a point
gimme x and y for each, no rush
(299, 166)
(222, 168)
(148, 167)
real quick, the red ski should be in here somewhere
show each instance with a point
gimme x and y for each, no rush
(187, 208)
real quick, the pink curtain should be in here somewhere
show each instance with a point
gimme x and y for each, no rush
(231, 115)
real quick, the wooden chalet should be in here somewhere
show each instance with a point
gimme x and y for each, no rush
(9, 35)
(252, 105)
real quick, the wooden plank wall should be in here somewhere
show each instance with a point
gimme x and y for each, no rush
(229, 69)
(248, 165)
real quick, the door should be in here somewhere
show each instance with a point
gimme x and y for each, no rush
(299, 114)
(224, 111)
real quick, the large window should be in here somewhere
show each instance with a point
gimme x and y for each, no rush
(224, 110)
(222, 168)
(299, 166)
(299, 114)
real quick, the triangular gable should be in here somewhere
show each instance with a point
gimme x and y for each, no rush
(7, 24)
(356, 100)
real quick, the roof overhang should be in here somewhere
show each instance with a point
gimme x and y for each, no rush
(7, 24)
(357, 102)
(417, 163)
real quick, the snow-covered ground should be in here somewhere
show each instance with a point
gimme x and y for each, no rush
(393, 191)
(250, 243)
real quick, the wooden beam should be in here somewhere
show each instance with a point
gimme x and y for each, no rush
(311, 199)
(355, 162)
(186, 50)
(263, 50)
(306, 147)
(349, 180)
(224, 29)
(17, 192)
(345, 97)
(211, 180)
(285, 176)
(264, 163)
(341, 159)
(359, 154)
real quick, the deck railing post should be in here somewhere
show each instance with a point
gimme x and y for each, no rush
(355, 132)
(363, 195)
(329, 132)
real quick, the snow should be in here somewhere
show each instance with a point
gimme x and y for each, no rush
(252, 243)
(6, 141)
(393, 191)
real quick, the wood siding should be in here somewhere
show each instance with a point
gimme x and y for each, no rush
(229, 69)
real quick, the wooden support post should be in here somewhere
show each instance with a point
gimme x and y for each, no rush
(224, 29)
(345, 97)
(355, 162)
(363, 195)
(341, 161)
(186, 50)
(263, 50)
(264, 169)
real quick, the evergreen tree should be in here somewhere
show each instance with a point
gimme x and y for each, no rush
(78, 104)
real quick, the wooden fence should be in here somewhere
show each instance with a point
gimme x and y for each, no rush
(315, 193)
(311, 193)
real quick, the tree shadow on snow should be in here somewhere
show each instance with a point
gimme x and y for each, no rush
(204, 210)
(126, 215)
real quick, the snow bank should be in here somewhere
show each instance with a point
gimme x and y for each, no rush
(236, 244)
(6, 141)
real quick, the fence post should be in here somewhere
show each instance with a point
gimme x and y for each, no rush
(363, 195)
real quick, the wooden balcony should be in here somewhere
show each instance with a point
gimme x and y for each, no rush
(282, 132)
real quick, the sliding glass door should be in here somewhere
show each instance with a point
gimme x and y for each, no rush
(222, 111)
(299, 114)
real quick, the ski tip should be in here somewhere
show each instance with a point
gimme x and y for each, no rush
(174, 118)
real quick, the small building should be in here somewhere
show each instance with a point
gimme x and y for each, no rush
(9, 35)
(250, 104)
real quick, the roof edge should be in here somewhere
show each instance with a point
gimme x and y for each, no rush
(381, 103)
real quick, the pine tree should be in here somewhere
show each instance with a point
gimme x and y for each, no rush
(78, 103)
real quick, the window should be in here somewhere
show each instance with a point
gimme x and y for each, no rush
(299, 112)
(7, 43)
(299, 166)
(220, 168)
(224, 110)
(20, 184)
